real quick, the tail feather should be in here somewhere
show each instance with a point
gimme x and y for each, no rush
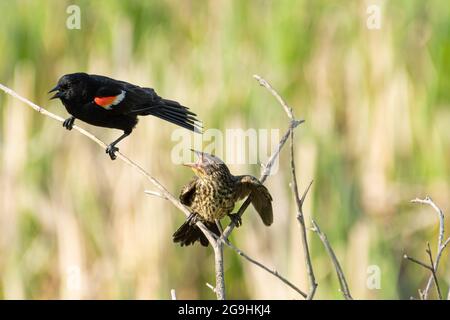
(173, 112)
(188, 233)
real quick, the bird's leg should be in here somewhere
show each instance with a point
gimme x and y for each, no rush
(68, 123)
(111, 148)
(192, 219)
(236, 218)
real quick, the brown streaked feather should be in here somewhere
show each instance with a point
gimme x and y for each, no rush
(260, 196)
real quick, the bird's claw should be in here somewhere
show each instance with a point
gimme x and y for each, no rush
(68, 123)
(111, 150)
(236, 218)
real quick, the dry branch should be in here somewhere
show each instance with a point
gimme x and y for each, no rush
(340, 274)
(273, 272)
(299, 202)
(440, 248)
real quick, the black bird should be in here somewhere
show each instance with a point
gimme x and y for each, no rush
(212, 194)
(105, 102)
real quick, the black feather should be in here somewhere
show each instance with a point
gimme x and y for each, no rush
(188, 233)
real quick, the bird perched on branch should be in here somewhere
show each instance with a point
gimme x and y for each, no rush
(105, 102)
(211, 196)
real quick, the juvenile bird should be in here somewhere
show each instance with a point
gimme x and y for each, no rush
(105, 102)
(211, 196)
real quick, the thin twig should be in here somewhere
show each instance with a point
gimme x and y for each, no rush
(156, 194)
(441, 244)
(259, 264)
(420, 294)
(211, 287)
(420, 263)
(433, 272)
(428, 267)
(300, 217)
(340, 274)
(430, 202)
(283, 103)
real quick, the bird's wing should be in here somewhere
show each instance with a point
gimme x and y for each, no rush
(260, 196)
(187, 194)
(166, 109)
(120, 97)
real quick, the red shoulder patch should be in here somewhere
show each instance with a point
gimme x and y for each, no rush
(105, 101)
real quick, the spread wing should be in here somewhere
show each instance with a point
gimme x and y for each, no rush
(187, 194)
(260, 196)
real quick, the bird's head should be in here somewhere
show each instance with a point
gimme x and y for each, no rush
(71, 87)
(207, 165)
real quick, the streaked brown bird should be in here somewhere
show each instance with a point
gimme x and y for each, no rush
(211, 196)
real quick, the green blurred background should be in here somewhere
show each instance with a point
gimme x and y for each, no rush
(74, 224)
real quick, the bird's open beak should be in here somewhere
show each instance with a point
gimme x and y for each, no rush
(190, 165)
(199, 154)
(197, 166)
(57, 94)
(204, 158)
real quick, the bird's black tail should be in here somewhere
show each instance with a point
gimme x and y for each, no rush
(174, 112)
(188, 233)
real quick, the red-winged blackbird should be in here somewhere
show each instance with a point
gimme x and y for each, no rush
(105, 102)
(212, 194)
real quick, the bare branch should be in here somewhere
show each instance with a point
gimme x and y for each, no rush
(433, 272)
(156, 194)
(299, 202)
(441, 244)
(430, 202)
(420, 263)
(420, 294)
(283, 103)
(211, 287)
(428, 267)
(340, 274)
(259, 264)
(220, 274)
(289, 133)
(301, 220)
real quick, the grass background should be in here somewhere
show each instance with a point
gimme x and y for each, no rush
(376, 104)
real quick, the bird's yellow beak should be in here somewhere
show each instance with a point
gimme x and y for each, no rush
(194, 167)
(198, 166)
